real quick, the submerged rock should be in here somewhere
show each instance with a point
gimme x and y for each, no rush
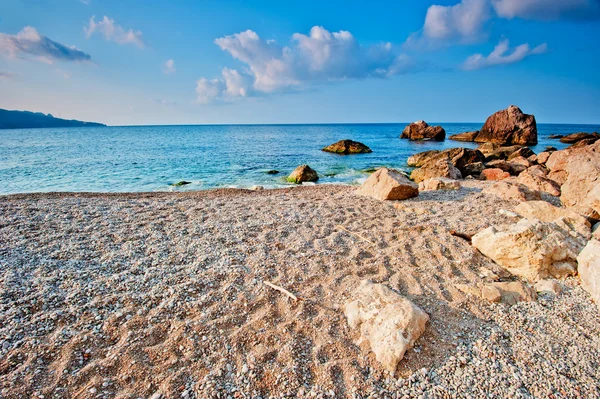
(389, 322)
(466, 136)
(422, 131)
(181, 183)
(272, 172)
(303, 173)
(509, 126)
(347, 147)
(386, 184)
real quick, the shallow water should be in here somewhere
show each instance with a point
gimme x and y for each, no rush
(150, 158)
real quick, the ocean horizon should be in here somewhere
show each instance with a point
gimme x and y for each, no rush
(151, 158)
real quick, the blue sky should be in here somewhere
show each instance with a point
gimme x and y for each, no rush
(187, 62)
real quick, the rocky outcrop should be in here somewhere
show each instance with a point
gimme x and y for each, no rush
(542, 157)
(386, 184)
(509, 126)
(539, 183)
(575, 137)
(439, 183)
(436, 168)
(389, 322)
(466, 136)
(494, 174)
(459, 157)
(533, 249)
(346, 147)
(512, 192)
(422, 131)
(589, 269)
(303, 173)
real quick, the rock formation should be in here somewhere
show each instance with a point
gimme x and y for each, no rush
(303, 173)
(386, 184)
(589, 269)
(347, 147)
(422, 131)
(509, 126)
(436, 168)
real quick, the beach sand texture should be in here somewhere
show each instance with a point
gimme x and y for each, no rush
(162, 295)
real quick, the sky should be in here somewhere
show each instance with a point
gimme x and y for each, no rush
(140, 62)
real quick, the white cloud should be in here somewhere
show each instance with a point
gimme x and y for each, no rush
(169, 67)
(113, 32)
(502, 55)
(547, 9)
(321, 56)
(29, 44)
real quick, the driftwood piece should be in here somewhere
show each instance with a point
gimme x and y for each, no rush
(283, 290)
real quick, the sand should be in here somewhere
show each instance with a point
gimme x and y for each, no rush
(162, 295)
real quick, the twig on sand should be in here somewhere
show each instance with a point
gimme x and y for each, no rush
(464, 236)
(355, 235)
(280, 289)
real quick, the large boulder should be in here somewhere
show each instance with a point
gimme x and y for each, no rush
(575, 137)
(419, 159)
(422, 131)
(503, 152)
(466, 136)
(578, 170)
(494, 174)
(509, 126)
(346, 147)
(459, 157)
(388, 322)
(533, 249)
(546, 212)
(303, 173)
(539, 183)
(386, 184)
(589, 269)
(436, 168)
(512, 192)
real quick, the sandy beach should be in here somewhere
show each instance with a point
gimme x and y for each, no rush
(162, 295)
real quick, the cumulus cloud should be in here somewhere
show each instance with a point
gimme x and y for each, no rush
(320, 56)
(169, 67)
(547, 9)
(502, 54)
(113, 32)
(29, 44)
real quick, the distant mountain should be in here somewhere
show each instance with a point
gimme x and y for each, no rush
(27, 119)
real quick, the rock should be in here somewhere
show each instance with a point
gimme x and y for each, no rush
(181, 183)
(583, 143)
(346, 147)
(466, 136)
(556, 136)
(303, 173)
(491, 293)
(524, 152)
(436, 168)
(422, 131)
(533, 249)
(439, 183)
(548, 286)
(494, 174)
(257, 188)
(386, 184)
(546, 212)
(589, 269)
(575, 137)
(509, 126)
(549, 148)
(272, 172)
(596, 231)
(512, 292)
(521, 161)
(512, 192)
(487, 148)
(473, 169)
(502, 153)
(421, 158)
(539, 183)
(537, 170)
(542, 157)
(389, 322)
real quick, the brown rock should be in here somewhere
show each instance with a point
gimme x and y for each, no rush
(346, 147)
(419, 159)
(436, 168)
(422, 131)
(546, 212)
(512, 192)
(513, 292)
(466, 136)
(542, 157)
(575, 137)
(473, 169)
(459, 157)
(538, 170)
(509, 126)
(386, 184)
(520, 161)
(303, 173)
(539, 183)
(502, 152)
(524, 152)
(494, 174)
(487, 148)
(439, 183)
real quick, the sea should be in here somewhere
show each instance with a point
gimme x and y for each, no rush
(154, 158)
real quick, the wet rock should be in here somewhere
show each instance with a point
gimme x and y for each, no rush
(181, 183)
(272, 172)
(386, 184)
(389, 322)
(509, 126)
(420, 130)
(301, 174)
(346, 147)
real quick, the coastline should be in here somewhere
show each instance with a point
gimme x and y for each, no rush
(146, 294)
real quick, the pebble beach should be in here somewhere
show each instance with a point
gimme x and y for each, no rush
(163, 295)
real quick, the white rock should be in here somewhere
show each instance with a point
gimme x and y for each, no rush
(533, 249)
(550, 286)
(388, 321)
(589, 269)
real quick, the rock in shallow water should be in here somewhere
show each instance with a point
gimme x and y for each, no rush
(509, 126)
(347, 147)
(420, 130)
(389, 322)
(303, 173)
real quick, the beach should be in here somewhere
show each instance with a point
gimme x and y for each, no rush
(163, 295)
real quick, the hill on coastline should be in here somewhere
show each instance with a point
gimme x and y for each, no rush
(28, 119)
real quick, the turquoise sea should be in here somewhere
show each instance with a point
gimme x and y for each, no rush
(151, 158)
